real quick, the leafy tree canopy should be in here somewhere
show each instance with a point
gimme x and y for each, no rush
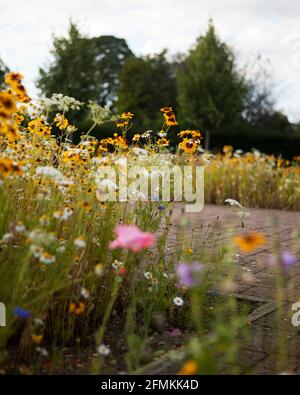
(84, 68)
(211, 91)
(147, 84)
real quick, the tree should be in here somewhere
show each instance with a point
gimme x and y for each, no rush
(84, 68)
(147, 84)
(211, 92)
(3, 70)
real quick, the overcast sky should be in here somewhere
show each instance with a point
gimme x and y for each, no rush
(270, 28)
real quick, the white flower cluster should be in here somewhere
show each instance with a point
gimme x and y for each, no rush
(55, 174)
(61, 102)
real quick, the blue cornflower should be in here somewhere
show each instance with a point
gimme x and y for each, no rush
(19, 312)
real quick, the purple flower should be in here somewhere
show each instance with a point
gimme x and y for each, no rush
(19, 312)
(187, 273)
(287, 259)
(161, 207)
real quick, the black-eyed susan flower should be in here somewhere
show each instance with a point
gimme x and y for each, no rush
(250, 242)
(170, 118)
(61, 121)
(7, 104)
(11, 132)
(13, 79)
(189, 146)
(163, 142)
(127, 115)
(121, 123)
(166, 109)
(9, 167)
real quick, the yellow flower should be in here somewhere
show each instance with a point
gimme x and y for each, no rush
(250, 242)
(163, 142)
(166, 109)
(73, 157)
(7, 105)
(38, 127)
(121, 123)
(189, 368)
(127, 115)
(170, 118)
(227, 149)
(188, 146)
(85, 206)
(37, 339)
(136, 137)
(11, 132)
(77, 308)
(13, 79)
(61, 121)
(8, 167)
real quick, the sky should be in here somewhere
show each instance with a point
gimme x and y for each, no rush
(270, 28)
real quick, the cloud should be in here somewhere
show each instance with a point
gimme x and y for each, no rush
(270, 28)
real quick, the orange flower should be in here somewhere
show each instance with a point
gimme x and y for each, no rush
(250, 242)
(76, 308)
(189, 368)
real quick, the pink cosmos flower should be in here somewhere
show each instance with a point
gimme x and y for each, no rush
(131, 238)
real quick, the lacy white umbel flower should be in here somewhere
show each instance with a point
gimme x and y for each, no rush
(52, 172)
(178, 301)
(61, 102)
(233, 202)
(103, 350)
(139, 151)
(240, 211)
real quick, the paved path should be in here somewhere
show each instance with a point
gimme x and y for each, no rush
(209, 228)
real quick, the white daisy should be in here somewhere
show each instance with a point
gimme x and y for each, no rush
(103, 350)
(79, 242)
(178, 301)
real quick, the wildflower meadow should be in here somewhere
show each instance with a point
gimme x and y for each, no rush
(95, 279)
(149, 193)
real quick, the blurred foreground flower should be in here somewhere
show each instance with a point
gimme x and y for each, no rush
(250, 242)
(187, 273)
(132, 238)
(189, 368)
(19, 312)
(286, 260)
